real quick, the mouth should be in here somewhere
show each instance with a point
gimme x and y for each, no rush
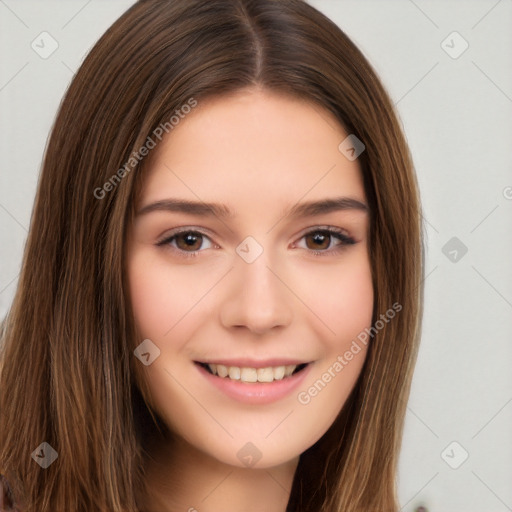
(249, 375)
(255, 382)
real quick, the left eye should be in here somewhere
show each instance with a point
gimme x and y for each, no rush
(322, 240)
(188, 243)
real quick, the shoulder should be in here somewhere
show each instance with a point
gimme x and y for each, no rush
(6, 498)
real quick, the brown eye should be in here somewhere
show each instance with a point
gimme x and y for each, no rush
(189, 241)
(320, 240)
(186, 242)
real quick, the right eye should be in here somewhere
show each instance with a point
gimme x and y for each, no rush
(186, 242)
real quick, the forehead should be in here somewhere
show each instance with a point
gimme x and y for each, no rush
(253, 146)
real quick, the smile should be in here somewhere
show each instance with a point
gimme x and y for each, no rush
(269, 382)
(251, 375)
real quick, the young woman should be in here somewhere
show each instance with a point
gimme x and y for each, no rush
(221, 294)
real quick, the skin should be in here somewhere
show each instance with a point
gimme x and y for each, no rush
(258, 153)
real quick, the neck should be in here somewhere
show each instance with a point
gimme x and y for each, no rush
(181, 478)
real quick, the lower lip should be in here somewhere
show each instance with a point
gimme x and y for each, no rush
(256, 392)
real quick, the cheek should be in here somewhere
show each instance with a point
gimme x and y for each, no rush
(160, 294)
(345, 308)
(344, 303)
(148, 298)
(352, 303)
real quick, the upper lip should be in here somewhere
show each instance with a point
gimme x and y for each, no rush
(253, 363)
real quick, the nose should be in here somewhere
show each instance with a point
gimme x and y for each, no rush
(257, 297)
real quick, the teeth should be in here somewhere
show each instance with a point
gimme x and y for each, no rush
(265, 375)
(268, 374)
(247, 374)
(288, 369)
(279, 372)
(234, 373)
(222, 371)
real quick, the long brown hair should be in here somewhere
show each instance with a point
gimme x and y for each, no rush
(68, 376)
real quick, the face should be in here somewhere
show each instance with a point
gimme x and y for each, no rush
(261, 287)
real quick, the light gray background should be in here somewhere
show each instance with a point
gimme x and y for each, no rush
(456, 113)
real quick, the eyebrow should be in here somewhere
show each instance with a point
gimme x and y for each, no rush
(306, 209)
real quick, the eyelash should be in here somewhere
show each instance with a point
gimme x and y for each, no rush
(333, 232)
